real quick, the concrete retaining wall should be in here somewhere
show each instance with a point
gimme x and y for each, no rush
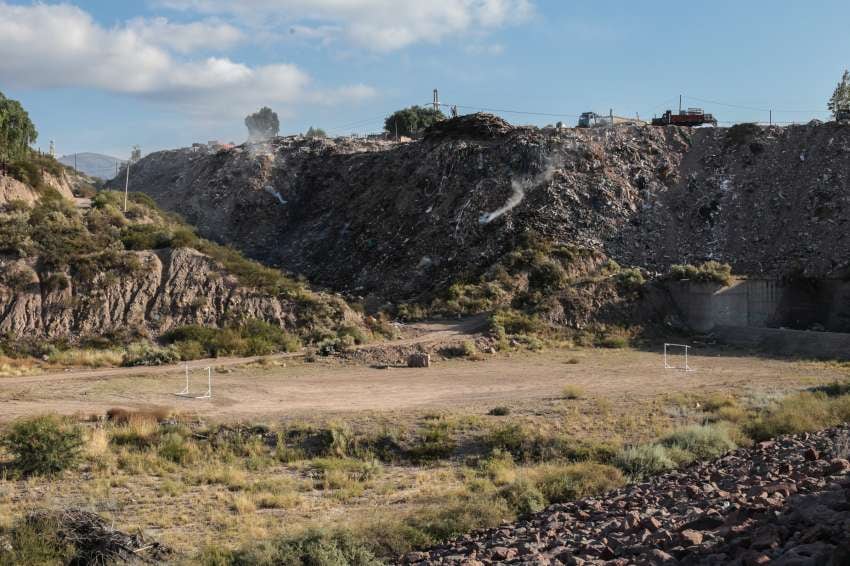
(771, 315)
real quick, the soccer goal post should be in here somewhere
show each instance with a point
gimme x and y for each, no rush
(186, 389)
(676, 357)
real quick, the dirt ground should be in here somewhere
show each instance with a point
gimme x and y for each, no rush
(289, 387)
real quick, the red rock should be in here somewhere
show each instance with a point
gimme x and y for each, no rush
(811, 454)
(690, 537)
(838, 466)
(651, 523)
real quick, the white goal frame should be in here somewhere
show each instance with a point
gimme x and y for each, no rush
(187, 394)
(667, 364)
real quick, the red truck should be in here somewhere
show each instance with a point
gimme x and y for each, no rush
(689, 117)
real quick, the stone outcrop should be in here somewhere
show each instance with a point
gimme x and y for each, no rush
(783, 502)
(166, 288)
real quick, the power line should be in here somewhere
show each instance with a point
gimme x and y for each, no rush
(550, 114)
(751, 107)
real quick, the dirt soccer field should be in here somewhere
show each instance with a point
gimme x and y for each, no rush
(282, 387)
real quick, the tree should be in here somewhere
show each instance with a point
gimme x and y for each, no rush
(840, 100)
(262, 125)
(17, 131)
(316, 133)
(410, 121)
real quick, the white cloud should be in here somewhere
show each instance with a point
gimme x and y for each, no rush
(59, 45)
(185, 38)
(378, 25)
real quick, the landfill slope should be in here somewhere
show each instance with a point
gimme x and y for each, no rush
(401, 221)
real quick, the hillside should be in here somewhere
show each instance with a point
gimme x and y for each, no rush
(404, 221)
(75, 275)
(93, 164)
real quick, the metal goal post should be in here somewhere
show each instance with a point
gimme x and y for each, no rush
(186, 393)
(670, 359)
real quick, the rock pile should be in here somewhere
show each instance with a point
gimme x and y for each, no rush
(784, 502)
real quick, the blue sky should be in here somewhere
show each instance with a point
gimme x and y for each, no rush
(103, 75)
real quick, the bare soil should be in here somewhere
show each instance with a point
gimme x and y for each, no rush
(289, 387)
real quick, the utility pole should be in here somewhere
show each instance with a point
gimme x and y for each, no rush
(126, 186)
(680, 104)
(436, 100)
(770, 119)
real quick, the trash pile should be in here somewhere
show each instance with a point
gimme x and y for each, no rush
(400, 221)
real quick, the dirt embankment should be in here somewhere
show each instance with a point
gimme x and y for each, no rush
(400, 220)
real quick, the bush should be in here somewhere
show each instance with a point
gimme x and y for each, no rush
(43, 445)
(702, 441)
(146, 354)
(708, 272)
(645, 460)
(35, 541)
(253, 337)
(803, 412)
(630, 279)
(314, 548)
(560, 483)
(435, 442)
(499, 411)
(523, 497)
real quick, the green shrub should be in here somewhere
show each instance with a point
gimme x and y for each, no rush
(630, 279)
(175, 448)
(803, 412)
(43, 445)
(434, 442)
(515, 322)
(35, 541)
(560, 483)
(457, 517)
(500, 411)
(146, 354)
(708, 272)
(523, 497)
(702, 441)
(315, 548)
(645, 460)
(146, 237)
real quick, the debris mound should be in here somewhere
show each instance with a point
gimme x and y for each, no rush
(96, 542)
(783, 501)
(479, 126)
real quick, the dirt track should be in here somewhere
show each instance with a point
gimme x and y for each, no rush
(299, 389)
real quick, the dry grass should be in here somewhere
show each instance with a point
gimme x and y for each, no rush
(87, 358)
(572, 392)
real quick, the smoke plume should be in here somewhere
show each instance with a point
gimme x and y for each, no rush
(520, 187)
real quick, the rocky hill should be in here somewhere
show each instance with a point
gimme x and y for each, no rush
(402, 221)
(70, 274)
(783, 502)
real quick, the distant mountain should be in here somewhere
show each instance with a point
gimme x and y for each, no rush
(93, 164)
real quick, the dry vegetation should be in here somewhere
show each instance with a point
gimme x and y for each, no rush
(376, 485)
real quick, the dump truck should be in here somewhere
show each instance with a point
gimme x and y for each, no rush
(689, 117)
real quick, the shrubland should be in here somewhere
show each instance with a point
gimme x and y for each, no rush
(400, 485)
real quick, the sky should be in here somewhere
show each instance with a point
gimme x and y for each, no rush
(104, 75)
